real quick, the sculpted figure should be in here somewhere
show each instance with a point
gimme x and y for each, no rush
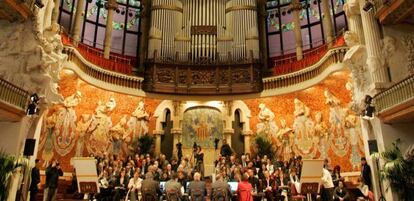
(119, 133)
(82, 130)
(47, 142)
(266, 123)
(137, 124)
(321, 132)
(65, 125)
(285, 137)
(302, 124)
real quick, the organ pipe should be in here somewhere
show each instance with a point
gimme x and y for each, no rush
(204, 29)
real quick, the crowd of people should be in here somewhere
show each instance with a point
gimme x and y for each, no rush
(138, 177)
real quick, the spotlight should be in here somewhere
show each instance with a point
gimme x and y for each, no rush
(39, 3)
(368, 6)
(32, 107)
(369, 109)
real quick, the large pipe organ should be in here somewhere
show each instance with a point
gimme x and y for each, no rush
(203, 42)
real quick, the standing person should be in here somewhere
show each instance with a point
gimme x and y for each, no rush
(199, 156)
(225, 149)
(53, 172)
(35, 183)
(366, 172)
(328, 185)
(244, 189)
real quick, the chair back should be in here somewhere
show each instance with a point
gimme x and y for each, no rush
(172, 195)
(197, 195)
(219, 194)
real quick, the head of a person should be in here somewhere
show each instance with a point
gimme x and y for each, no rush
(337, 169)
(250, 172)
(198, 148)
(149, 176)
(245, 177)
(363, 161)
(340, 184)
(122, 172)
(224, 141)
(197, 176)
(293, 171)
(174, 176)
(136, 175)
(105, 173)
(37, 163)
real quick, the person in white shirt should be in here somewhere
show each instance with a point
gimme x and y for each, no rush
(134, 186)
(328, 186)
(294, 179)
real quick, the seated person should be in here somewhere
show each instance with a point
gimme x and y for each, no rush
(173, 188)
(150, 189)
(135, 186)
(368, 195)
(220, 188)
(103, 183)
(197, 188)
(294, 180)
(340, 192)
(269, 186)
(244, 189)
(120, 185)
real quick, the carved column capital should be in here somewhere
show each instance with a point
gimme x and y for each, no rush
(351, 8)
(112, 5)
(247, 133)
(158, 132)
(228, 131)
(176, 131)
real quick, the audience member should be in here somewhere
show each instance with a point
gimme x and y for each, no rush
(53, 172)
(197, 188)
(244, 189)
(340, 192)
(328, 186)
(366, 172)
(134, 186)
(35, 183)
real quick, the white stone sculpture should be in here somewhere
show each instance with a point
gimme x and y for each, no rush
(138, 123)
(266, 123)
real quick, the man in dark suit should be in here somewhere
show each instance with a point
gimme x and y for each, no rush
(220, 188)
(197, 188)
(52, 177)
(255, 182)
(225, 149)
(366, 172)
(150, 187)
(34, 184)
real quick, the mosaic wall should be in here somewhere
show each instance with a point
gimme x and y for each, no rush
(93, 121)
(313, 123)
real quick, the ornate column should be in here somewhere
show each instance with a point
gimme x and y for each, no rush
(145, 25)
(158, 135)
(353, 15)
(246, 135)
(295, 7)
(78, 22)
(262, 15)
(55, 13)
(111, 6)
(375, 61)
(327, 23)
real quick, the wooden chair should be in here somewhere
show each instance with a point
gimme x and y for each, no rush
(148, 195)
(172, 195)
(197, 195)
(219, 195)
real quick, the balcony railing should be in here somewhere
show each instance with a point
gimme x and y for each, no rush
(14, 96)
(333, 56)
(101, 74)
(399, 93)
(121, 64)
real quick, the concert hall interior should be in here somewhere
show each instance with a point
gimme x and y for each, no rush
(206, 100)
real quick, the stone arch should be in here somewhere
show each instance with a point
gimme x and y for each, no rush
(244, 112)
(160, 112)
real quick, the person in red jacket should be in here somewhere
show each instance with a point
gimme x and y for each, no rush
(244, 189)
